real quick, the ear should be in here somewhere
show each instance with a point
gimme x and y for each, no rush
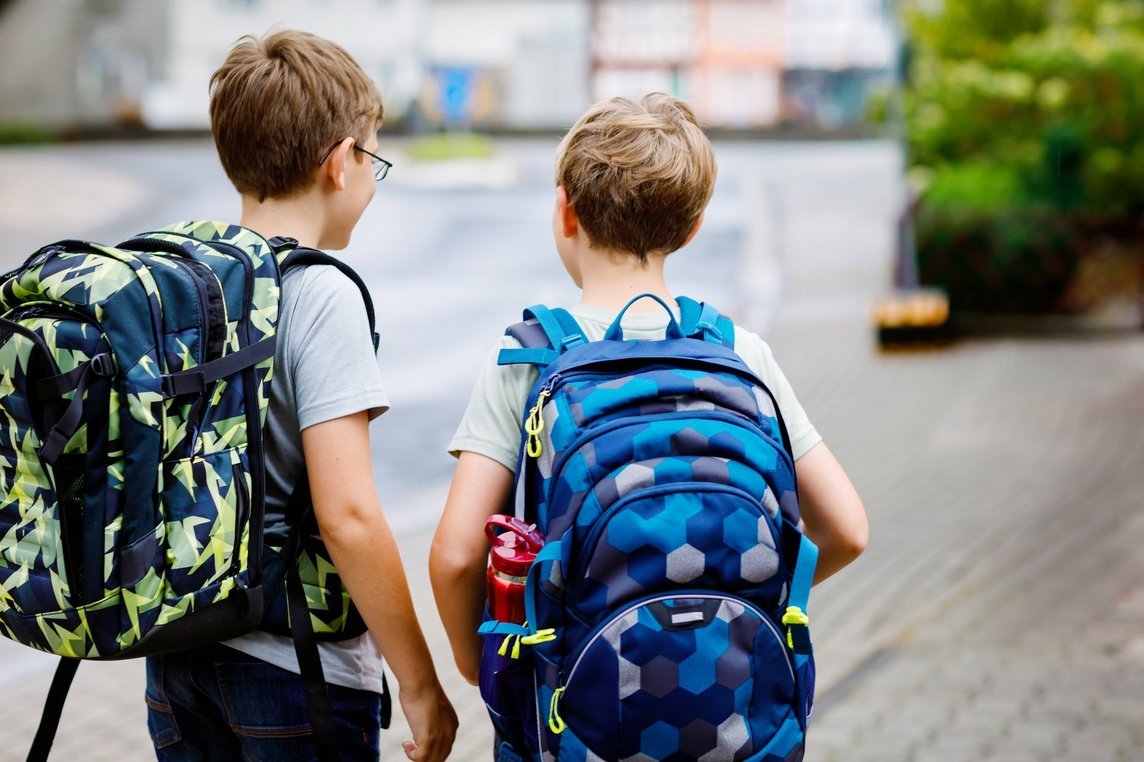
(694, 230)
(335, 166)
(569, 222)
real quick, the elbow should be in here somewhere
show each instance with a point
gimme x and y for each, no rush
(841, 542)
(855, 545)
(854, 541)
(351, 523)
(469, 672)
(446, 568)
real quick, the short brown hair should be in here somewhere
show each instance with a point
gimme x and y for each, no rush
(638, 175)
(279, 102)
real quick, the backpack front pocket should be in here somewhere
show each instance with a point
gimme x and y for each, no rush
(56, 378)
(683, 535)
(688, 676)
(205, 502)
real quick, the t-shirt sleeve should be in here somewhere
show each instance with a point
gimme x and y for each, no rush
(491, 425)
(760, 359)
(331, 357)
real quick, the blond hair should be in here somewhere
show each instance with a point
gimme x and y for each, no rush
(279, 102)
(638, 175)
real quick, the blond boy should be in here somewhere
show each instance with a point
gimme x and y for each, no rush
(633, 180)
(295, 121)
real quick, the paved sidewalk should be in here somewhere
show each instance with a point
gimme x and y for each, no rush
(998, 613)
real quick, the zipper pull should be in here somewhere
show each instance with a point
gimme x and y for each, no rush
(534, 424)
(555, 722)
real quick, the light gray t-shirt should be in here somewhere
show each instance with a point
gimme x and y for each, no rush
(324, 368)
(491, 424)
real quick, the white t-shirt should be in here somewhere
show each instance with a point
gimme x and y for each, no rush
(324, 368)
(492, 422)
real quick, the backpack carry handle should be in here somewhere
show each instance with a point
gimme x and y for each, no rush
(615, 331)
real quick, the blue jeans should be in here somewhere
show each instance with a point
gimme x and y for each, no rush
(216, 703)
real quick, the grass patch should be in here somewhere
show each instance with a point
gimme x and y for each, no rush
(25, 133)
(452, 145)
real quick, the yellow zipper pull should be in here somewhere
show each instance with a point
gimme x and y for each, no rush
(555, 723)
(534, 424)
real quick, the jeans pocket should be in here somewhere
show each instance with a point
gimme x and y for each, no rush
(160, 717)
(266, 708)
(261, 700)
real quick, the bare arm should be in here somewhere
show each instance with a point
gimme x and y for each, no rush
(362, 547)
(459, 555)
(831, 510)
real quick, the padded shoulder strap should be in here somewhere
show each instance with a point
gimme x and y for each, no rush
(700, 320)
(301, 256)
(544, 335)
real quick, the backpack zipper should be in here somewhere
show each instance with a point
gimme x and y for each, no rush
(200, 302)
(534, 423)
(737, 367)
(591, 433)
(12, 324)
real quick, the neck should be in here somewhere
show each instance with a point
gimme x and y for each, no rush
(611, 281)
(294, 217)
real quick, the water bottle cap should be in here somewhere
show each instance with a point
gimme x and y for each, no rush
(514, 550)
(512, 557)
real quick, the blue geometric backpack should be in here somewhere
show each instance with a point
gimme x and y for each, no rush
(666, 613)
(134, 385)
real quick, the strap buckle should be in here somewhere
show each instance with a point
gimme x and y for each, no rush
(796, 621)
(102, 365)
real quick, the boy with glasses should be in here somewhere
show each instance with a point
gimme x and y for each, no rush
(295, 121)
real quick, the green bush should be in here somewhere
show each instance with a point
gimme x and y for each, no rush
(23, 133)
(1026, 115)
(1021, 262)
(983, 241)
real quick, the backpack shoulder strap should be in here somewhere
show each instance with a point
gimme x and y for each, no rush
(301, 256)
(699, 320)
(544, 334)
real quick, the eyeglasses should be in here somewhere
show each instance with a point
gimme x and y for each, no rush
(380, 165)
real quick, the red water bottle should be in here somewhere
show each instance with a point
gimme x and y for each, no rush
(512, 552)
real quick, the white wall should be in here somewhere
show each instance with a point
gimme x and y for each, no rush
(382, 35)
(534, 51)
(838, 34)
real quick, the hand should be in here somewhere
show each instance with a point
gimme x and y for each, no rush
(433, 722)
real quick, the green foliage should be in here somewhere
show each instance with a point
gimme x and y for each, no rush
(1020, 262)
(975, 187)
(23, 133)
(1022, 112)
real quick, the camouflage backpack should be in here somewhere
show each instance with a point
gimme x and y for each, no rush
(136, 380)
(666, 610)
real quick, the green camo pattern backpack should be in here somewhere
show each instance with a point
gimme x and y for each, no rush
(134, 385)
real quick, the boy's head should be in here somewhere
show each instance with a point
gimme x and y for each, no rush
(280, 102)
(637, 175)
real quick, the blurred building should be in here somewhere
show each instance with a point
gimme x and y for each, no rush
(837, 50)
(79, 62)
(724, 56)
(521, 64)
(384, 36)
